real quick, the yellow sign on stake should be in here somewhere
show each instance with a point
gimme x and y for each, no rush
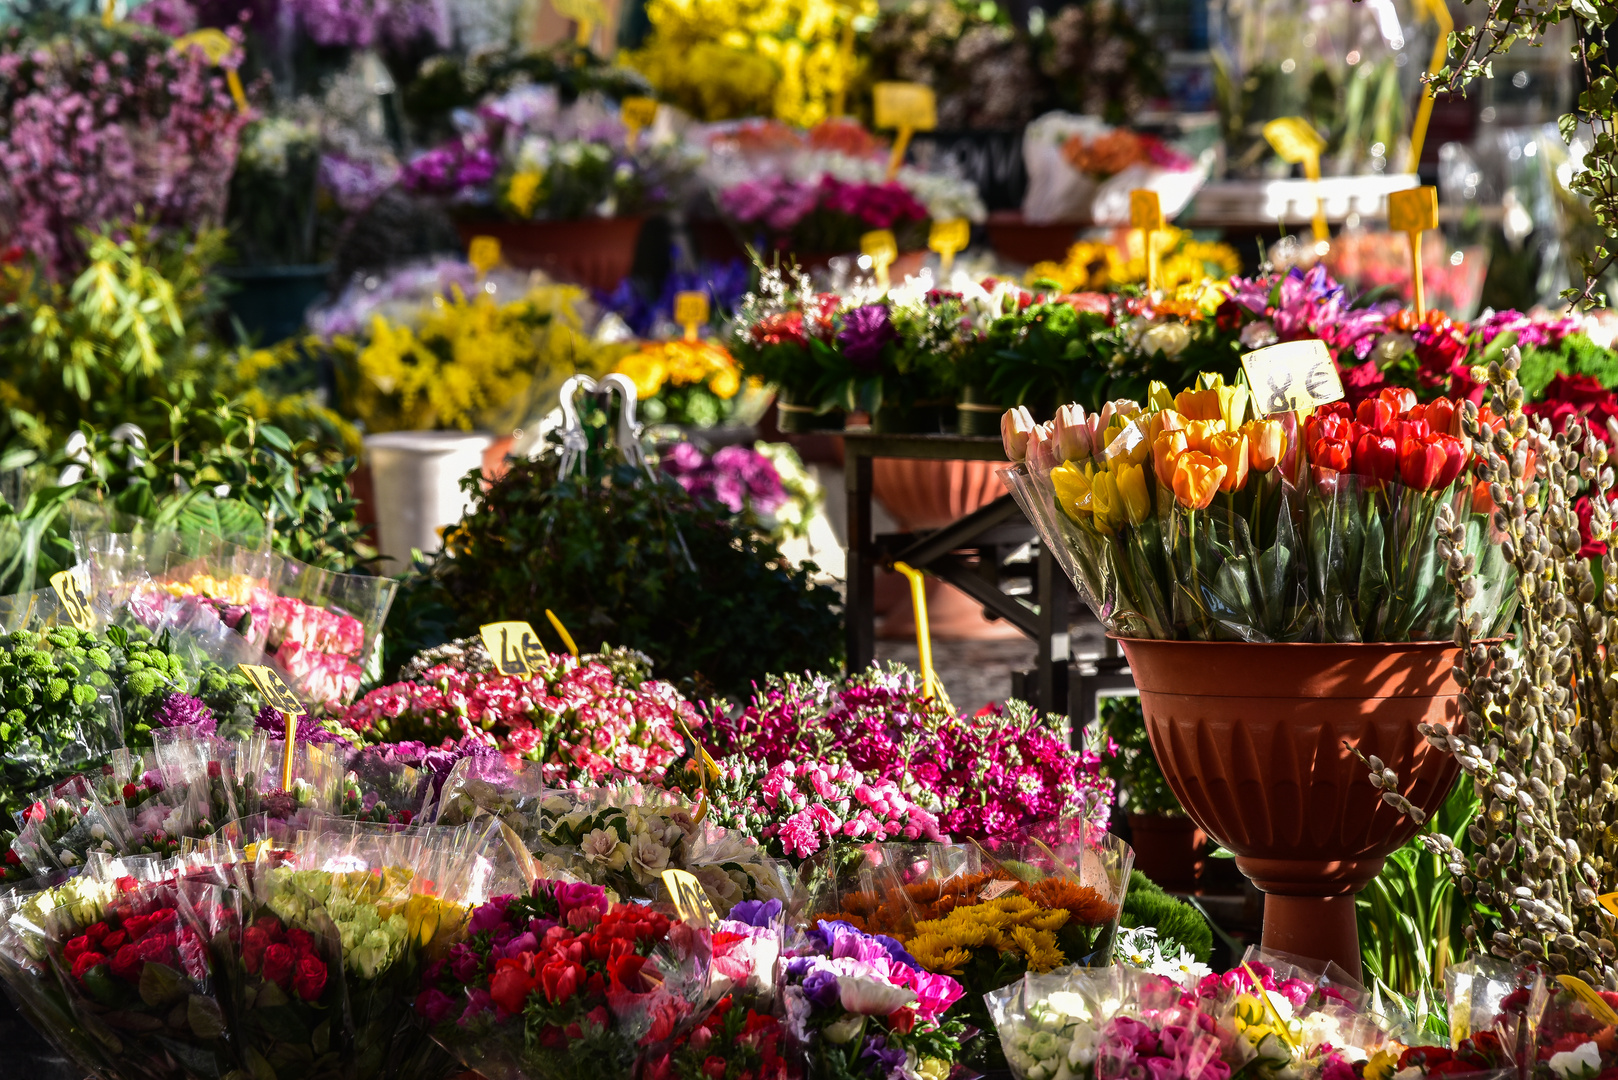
(1296, 142)
(1424, 111)
(278, 696)
(691, 903)
(1295, 376)
(1593, 1001)
(924, 637)
(513, 647)
(1412, 212)
(638, 114)
(881, 248)
(690, 312)
(948, 238)
(1146, 214)
(218, 48)
(75, 599)
(567, 638)
(484, 254)
(587, 14)
(906, 108)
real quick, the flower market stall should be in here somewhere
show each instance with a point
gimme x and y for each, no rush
(416, 418)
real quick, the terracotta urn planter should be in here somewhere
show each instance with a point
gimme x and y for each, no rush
(1166, 849)
(1254, 741)
(595, 252)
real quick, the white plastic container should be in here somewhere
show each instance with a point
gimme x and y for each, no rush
(417, 477)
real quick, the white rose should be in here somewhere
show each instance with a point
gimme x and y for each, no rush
(1577, 1064)
(1169, 338)
(1259, 334)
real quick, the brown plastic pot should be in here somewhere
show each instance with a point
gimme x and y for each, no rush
(595, 252)
(1166, 849)
(1254, 740)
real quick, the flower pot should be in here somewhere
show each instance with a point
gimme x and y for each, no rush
(270, 301)
(1166, 849)
(975, 416)
(416, 478)
(595, 252)
(795, 418)
(924, 495)
(1019, 241)
(1254, 741)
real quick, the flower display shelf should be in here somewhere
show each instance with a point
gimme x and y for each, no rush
(994, 526)
(595, 252)
(1254, 740)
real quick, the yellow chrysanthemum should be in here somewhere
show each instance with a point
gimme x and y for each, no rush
(939, 955)
(1013, 905)
(1039, 947)
(523, 190)
(1050, 919)
(646, 370)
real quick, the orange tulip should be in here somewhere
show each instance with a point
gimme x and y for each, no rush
(1229, 448)
(1159, 422)
(1165, 451)
(1198, 404)
(1266, 443)
(1196, 479)
(1198, 433)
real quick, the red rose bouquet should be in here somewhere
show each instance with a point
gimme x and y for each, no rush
(560, 984)
(732, 1043)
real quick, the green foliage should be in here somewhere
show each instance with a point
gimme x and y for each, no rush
(130, 333)
(1575, 355)
(1041, 356)
(1411, 916)
(1127, 759)
(622, 557)
(1178, 924)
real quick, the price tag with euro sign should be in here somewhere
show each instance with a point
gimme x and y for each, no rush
(904, 106)
(639, 112)
(277, 694)
(1295, 376)
(513, 646)
(1413, 210)
(1145, 210)
(690, 312)
(690, 901)
(75, 598)
(1593, 1001)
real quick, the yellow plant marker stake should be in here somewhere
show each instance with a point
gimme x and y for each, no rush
(881, 248)
(906, 108)
(75, 599)
(690, 312)
(924, 637)
(691, 903)
(1593, 1001)
(484, 254)
(1277, 1023)
(1295, 141)
(1412, 212)
(638, 114)
(947, 238)
(845, 64)
(587, 14)
(278, 696)
(109, 13)
(218, 48)
(1146, 214)
(567, 638)
(513, 647)
(1424, 111)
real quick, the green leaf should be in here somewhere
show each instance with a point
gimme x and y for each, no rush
(206, 1019)
(160, 984)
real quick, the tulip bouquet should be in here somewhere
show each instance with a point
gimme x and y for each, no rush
(562, 984)
(733, 1042)
(1196, 517)
(859, 1007)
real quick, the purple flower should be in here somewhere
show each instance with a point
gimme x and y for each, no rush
(820, 987)
(434, 1006)
(756, 912)
(866, 332)
(182, 710)
(571, 897)
(479, 1003)
(890, 1059)
(273, 723)
(464, 963)
(489, 916)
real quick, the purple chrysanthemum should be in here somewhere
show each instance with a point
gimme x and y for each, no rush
(184, 711)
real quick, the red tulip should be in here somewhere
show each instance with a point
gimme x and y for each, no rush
(1377, 457)
(1401, 399)
(1377, 414)
(1332, 454)
(1327, 426)
(1420, 462)
(1456, 455)
(1442, 416)
(1410, 429)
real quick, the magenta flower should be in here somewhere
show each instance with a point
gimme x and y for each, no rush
(866, 332)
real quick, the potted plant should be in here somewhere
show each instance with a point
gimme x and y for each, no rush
(1167, 843)
(1274, 587)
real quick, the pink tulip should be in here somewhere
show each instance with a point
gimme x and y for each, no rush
(1016, 425)
(1074, 440)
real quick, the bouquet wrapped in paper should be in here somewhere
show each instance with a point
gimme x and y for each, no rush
(1195, 516)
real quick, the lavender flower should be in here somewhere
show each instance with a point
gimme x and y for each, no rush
(866, 332)
(272, 723)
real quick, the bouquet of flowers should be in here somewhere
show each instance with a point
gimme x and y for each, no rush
(323, 627)
(861, 1006)
(691, 383)
(561, 983)
(580, 720)
(1186, 518)
(625, 836)
(731, 1042)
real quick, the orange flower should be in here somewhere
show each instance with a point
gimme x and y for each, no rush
(1266, 443)
(1198, 404)
(1199, 433)
(1196, 479)
(1082, 903)
(1229, 448)
(1165, 451)
(1161, 421)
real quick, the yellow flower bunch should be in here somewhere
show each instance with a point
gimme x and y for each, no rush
(725, 59)
(1187, 267)
(681, 363)
(1009, 925)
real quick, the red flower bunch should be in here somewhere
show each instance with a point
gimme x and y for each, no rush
(731, 1043)
(125, 942)
(284, 957)
(1582, 396)
(1480, 1053)
(1390, 439)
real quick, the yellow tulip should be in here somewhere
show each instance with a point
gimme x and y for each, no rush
(1166, 448)
(1232, 404)
(1127, 444)
(1199, 404)
(1108, 501)
(1072, 489)
(1196, 479)
(1137, 497)
(1266, 443)
(1158, 396)
(1198, 433)
(1229, 448)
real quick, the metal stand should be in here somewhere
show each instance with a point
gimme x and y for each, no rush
(999, 525)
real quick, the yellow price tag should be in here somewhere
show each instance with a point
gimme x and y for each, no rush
(690, 902)
(1295, 141)
(75, 599)
(218, 48)
(1295, 376)
(639, 112)
(881, 248)
(483, 253)
(1593, 1001)
(1610, 902)
(1145, 210)
(513, 647)
(948, 237)
(277, 694)
(690, 312)
(901, 105)
(1413, 209)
